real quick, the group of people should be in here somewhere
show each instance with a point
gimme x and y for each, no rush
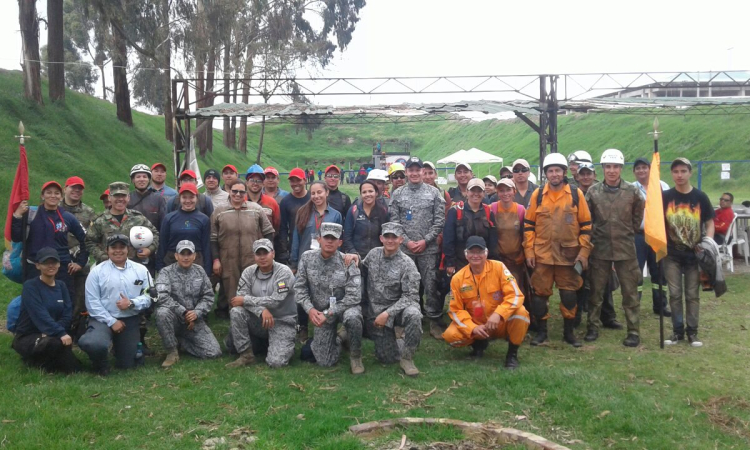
(273, 261)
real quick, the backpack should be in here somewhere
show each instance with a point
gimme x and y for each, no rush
(460, 211)
(519, 210)
(573, 192)
(13, 260)
(14, 312)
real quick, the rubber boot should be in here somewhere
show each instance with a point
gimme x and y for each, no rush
(541, 333)
(478, 347)
(511, 358)
(569, 334)
(146, 351)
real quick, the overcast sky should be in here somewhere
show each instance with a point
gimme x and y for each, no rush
(472, 37)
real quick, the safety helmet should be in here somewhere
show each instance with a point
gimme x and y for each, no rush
(612, 156)
(255, 169)
(555, 159)
(140, 168)
(378, 175)
(396, 167)
(141, 237)
(580, 156)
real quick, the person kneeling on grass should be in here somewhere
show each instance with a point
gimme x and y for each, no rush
(185, 299)
(116, 293)
(264, 313)
(487, 303)
(328, 290)
(42, 337)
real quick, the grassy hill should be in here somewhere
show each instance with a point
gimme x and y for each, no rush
(83, 137)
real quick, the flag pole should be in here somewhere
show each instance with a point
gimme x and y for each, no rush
(25, 219)
(659, 263)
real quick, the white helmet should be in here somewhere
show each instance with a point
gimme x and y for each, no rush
(140, 168)
(612, 156)
(555, 159)
(580, 156)
(378, 175)
(141, 237)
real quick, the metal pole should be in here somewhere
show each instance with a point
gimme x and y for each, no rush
(661, 306)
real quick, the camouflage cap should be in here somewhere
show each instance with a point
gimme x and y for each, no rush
(331, 229)
(119, 187)
(394, 228)
(185, 245)
(264, 244)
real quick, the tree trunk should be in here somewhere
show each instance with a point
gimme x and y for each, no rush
(208, 133)
(55, 51)
(32, 80)
(233, 131)
(104, 83)
(245, 98)
(199, 93)
(227, 139)
(120, 77)
(260, 145)
(166, 63)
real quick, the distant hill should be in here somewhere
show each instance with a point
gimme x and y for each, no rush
(83, 137)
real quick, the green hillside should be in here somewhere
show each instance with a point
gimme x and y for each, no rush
(83, 137)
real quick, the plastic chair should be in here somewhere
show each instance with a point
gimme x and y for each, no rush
(726, 250)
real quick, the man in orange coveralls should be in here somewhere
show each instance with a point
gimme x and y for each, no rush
(487, 303)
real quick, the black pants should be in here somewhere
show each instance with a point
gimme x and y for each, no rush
(48, 352)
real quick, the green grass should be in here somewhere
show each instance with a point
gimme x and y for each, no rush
(601, 395)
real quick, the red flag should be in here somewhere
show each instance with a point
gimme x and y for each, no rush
(19, 192)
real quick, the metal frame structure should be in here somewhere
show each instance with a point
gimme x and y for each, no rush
(544, 95)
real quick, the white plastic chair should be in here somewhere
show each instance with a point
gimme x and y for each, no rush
(730, 241)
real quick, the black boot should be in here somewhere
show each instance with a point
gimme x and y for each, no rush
(146, 351)
(478, 348)
(511, 358)
(591, 335)
(660, 300)
(541, 333)
(568, 333)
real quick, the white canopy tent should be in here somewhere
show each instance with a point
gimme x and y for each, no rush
(471, 156)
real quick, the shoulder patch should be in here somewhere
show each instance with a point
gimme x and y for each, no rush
(281, 287)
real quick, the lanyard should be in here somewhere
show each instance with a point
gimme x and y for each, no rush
(318, 220)
(476, 285)
(61, 227)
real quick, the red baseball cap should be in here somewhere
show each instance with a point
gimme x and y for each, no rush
(229, 166)
(75, 181)
(159, 165)
(189, 173)
(104, 195)
(271, 169)
(189, 187)
(333, 167)
(51, 183)
(297, 173)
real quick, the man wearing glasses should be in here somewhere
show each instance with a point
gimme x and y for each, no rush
(524, 187)
(234, 228)
(723, 218)
(336, 199)
(255, 178)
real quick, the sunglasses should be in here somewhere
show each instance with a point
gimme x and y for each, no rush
(255, 181)
(398, 177)
(521, 170)
(333, 175)
(237, 192)
(509, 177)
(724, 200)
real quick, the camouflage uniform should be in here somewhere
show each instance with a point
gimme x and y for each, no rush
(105, 225)
(420, 209)
(273, 291)
(86, 215)
(181, 290)
(616, 215)
(393, 286)
(317, 281)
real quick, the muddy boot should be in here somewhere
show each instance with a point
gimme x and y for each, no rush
(511, 358)
(478, 348)
(302, 335)
(436, 329)
(356, 365)
(172, 358)
(541, 333)
(246, 358)
(407, 365)
(569, 335)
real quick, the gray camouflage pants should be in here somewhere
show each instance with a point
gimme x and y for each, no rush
(244, 326)
(387, 349)
(199, 342)
(325, 346)
(428, 270)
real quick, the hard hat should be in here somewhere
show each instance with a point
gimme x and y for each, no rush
(255, 169)
(396, 167)
(141, 237)
(612, 156)
(140, 168)
(554, 159)
(580, 156)
(378, 175)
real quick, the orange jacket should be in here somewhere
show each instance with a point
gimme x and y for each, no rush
(498, 293)
(557, 231)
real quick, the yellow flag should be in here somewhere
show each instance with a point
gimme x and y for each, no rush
(656, 234)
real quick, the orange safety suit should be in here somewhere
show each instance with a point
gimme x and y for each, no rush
(477, 296)
(556, 232)
(509, 229)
